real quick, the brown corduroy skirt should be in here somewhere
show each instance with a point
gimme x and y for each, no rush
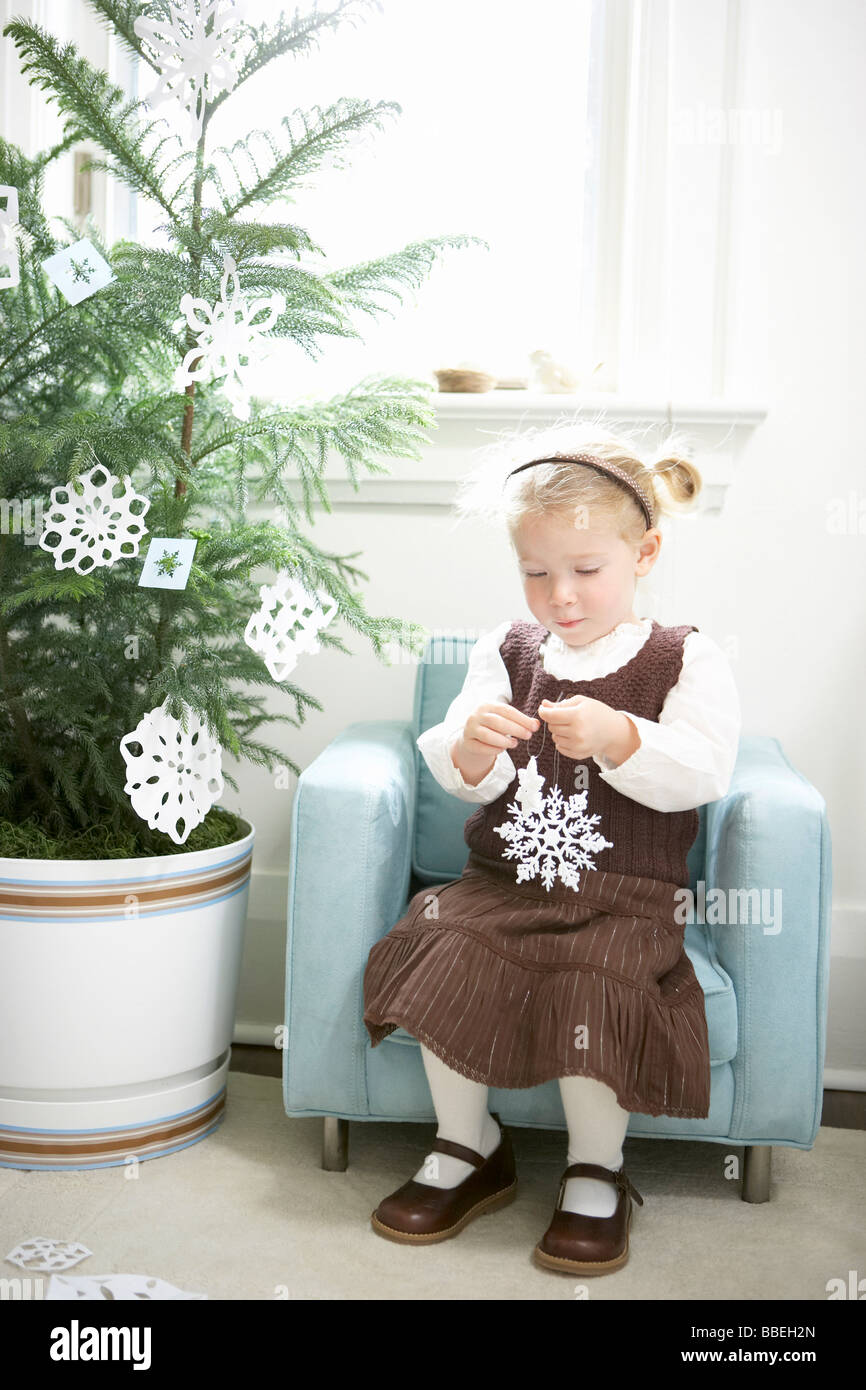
(513, 986)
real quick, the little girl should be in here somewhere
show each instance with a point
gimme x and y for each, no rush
(588, 737)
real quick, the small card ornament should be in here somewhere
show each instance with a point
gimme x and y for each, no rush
(42, 1253)
(94, 528)
(78, 271)
(168, 563)
(287, 623)
(192, 44)
(549, 836)
(177, 776)
(231, 344)
(10, 272)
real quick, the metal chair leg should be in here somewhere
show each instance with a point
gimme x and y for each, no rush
(335, 1144)
(757, 1162)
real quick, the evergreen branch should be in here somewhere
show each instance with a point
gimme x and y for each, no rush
(93, 106)
(411, 266)
(307, 151)
(120, 15)
(286, 36)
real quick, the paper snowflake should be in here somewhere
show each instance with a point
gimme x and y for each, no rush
(10, 273)
(287, 623)
(89, 1287)
(193, 47)
(230, 339)
(551, 837)
(177, 776)
(43, 1253)
(95, 526)
(530, 782)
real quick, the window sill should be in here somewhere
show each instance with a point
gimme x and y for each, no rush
(456, 405)
(715, 431)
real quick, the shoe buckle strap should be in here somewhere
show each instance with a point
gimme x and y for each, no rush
(619, 1177)
(448, 1146)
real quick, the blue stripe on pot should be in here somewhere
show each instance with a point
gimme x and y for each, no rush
(112, 1147)
(141, 896)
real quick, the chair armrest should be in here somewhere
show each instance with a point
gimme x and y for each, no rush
(349, 867)
(769, 851)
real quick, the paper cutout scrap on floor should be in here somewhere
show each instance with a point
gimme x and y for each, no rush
(47, 1253)
(106, 1287)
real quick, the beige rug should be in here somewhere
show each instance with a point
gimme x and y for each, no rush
(249, 1213)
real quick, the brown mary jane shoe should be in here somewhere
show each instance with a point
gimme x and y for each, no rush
(579, 1244)
(419, 1214)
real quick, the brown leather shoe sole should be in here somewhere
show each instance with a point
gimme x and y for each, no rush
(600, 1233)
(423, 1204)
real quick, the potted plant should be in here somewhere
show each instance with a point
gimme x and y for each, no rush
(132, 632)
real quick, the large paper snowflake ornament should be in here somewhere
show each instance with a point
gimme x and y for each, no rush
(94, 528)
(193, 45)
(177, 776)
(287, 623)
(550, 836)
(231, 342)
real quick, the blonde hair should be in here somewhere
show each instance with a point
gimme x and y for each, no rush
(669, 478)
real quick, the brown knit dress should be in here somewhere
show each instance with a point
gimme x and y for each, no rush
(515, 983)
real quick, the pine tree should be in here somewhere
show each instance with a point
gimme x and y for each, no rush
(94, 383)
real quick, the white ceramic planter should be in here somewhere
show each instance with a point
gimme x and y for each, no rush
(118, 986)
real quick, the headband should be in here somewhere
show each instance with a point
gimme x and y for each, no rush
(602, 466)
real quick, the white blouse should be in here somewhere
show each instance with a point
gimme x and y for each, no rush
(683, 761)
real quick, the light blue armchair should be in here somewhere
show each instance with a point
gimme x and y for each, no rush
(371, 827)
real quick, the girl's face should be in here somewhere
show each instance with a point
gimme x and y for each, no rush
(579, 583)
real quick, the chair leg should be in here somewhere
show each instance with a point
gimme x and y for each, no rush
(757, 1161)
(335, 1144)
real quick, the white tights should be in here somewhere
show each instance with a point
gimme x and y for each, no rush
(596, 1130)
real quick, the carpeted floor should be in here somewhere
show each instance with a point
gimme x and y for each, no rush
(249, 1213)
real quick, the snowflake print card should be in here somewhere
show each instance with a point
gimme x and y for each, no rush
(78, 271)
(168, 563)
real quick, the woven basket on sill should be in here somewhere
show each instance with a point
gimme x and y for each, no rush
(461, 379)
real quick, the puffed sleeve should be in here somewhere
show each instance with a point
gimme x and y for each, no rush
(687, 758)
(486, 679)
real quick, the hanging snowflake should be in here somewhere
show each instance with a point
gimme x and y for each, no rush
(231, 342)
(287, 623)
(193, 47)
(94, 527)
(177, 776)
(530, 781)
(550, 836)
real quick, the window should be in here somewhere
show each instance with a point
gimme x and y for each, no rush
(492, 142)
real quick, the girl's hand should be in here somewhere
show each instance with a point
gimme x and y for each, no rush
(494, 726)
(581, 727)
(489, 729)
